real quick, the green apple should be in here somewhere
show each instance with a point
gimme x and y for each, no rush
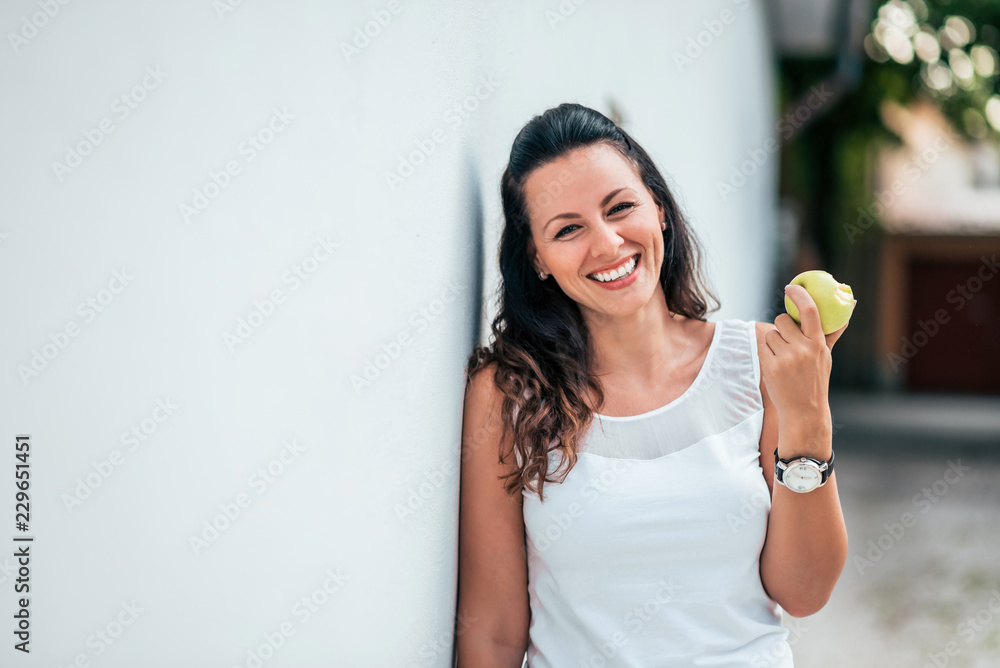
(834, 300)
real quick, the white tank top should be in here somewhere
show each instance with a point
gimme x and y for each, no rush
(648, 553)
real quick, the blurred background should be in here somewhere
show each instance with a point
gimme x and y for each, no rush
(249, 245)
(890, 180)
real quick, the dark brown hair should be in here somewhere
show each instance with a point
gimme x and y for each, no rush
(539, 340)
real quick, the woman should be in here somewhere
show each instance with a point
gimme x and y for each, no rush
(618, 499)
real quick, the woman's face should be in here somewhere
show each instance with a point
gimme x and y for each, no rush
(590, 213)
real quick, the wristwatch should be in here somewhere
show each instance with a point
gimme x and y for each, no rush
(802, 474)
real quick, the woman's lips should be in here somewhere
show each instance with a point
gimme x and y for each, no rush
(611, 267)
(620, 283)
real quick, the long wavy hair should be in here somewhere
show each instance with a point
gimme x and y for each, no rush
(539, 340)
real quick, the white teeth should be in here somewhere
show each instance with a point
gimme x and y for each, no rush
(615, 274)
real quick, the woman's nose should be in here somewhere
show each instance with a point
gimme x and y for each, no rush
(606, 240)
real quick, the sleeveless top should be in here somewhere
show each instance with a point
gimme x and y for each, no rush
(648, 553)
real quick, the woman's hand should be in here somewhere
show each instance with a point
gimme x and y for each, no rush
(795, 363)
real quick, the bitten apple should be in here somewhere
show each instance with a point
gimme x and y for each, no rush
(834, 300)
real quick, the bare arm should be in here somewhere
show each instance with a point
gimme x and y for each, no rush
(806, 545)
(493, 603)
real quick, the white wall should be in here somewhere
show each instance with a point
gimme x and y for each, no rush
(408, 260)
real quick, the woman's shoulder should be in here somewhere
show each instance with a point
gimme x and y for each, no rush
(481, 385)
(762, 329)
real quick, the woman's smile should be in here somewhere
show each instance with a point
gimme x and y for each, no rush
(619, 277)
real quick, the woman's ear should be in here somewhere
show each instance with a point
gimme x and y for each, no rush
(536, 261)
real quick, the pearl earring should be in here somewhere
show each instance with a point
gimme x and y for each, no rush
(663, 224)
(541, 275)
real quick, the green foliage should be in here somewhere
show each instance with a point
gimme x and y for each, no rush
(826, 168)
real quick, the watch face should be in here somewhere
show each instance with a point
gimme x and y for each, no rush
(801, 476)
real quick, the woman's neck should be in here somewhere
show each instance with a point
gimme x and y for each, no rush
(640, 346)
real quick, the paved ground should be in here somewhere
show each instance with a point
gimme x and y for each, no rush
(922, 583)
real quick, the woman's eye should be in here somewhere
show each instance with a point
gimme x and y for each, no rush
(614, 209)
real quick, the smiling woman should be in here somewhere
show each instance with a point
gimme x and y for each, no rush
(641, 552)
(581, 198)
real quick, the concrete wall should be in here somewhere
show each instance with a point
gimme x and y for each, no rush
(245, 248)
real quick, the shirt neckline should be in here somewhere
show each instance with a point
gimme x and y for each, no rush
(716, 335)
